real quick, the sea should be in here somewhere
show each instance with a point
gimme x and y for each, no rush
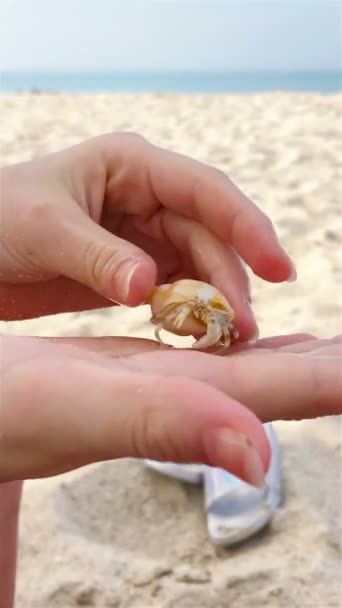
(169, 82)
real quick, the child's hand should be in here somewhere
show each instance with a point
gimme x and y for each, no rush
(108, 218)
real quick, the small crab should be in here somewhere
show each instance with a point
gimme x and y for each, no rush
(189, 307)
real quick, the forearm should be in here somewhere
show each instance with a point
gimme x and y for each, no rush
(10, 494)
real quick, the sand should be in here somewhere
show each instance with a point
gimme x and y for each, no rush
(117, 535)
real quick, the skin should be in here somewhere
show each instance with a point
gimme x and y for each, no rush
(117, 207)
(10, 494)
(106, 221)
(52, 440)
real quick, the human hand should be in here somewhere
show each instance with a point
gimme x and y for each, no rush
(67, 402)
(106, 219)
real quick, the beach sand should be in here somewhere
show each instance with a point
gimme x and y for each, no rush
(117, 535)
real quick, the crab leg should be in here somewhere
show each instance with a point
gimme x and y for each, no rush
(226, 341)
(178, 315)
(233, 330)
(228, 332)
(157, 334)
(213, 335)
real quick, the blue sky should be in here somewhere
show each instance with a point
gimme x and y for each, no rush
(170, 34)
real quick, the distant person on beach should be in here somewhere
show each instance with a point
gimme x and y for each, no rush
(103, 222)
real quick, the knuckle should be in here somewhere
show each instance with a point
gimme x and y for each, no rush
(325, 384)
(131, 138)
(147, 432)
(150, 436)
(39, 212)
(99, 263)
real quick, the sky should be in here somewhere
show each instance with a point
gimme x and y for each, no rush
(170, 34)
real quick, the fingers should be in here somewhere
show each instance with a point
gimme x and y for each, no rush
(316, 347)
(214, 263)
(85, 252)
(58, 413)
(298, 386)
(201, 192)
(275, 385)
(197, 191)
(286, 340)
(98, 413)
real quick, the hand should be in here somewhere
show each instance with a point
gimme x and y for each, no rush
(71, 401)
(104, 220)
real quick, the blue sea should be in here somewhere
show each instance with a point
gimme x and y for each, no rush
(173, 82)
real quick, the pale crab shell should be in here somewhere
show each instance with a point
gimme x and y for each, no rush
(203, 300)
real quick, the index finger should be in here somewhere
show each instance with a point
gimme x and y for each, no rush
(206, 194)
(141, 177)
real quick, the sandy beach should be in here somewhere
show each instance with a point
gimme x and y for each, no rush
(96, 537)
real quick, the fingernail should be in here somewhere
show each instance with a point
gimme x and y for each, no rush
(254, 469)
(235, 452)
(293, 275)
(125, 276)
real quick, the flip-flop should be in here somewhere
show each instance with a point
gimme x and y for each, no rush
(235, 510)
(190, 473)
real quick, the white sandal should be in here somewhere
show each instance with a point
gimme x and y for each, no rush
(235, 509)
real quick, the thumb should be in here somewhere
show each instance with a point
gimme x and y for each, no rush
(93, 256)
(103, 412)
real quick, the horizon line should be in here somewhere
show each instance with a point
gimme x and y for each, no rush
(177, 71)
